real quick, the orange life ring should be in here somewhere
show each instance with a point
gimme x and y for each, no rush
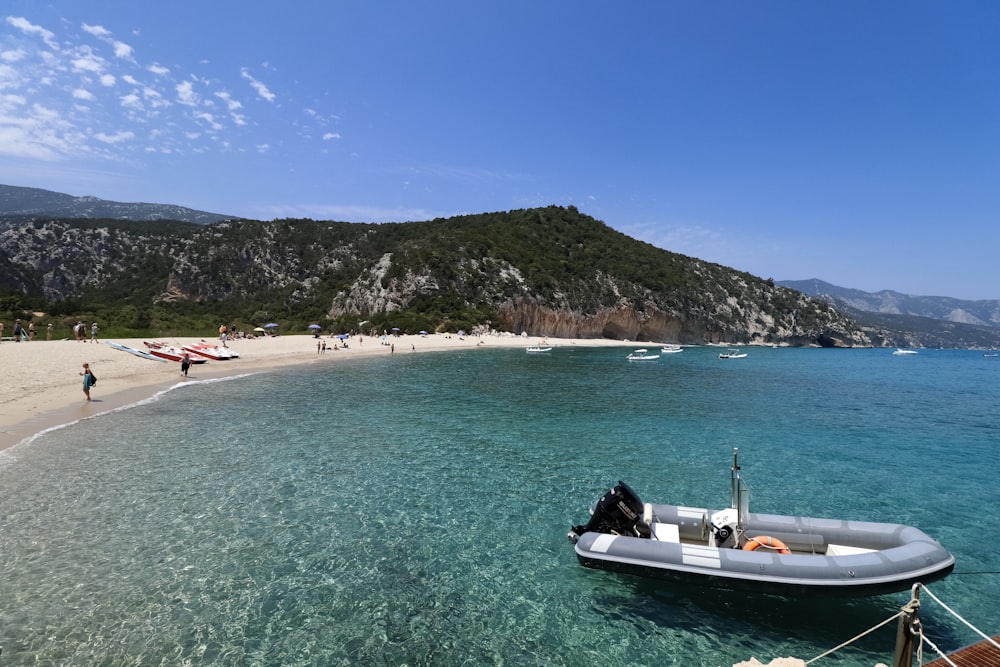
(767, 542)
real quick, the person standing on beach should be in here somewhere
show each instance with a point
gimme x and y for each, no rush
(185, 364)
(31, 330)
(18, 331)
(48, 331)
(88, 380)
(93, 332)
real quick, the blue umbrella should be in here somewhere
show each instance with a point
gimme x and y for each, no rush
(315, 326)
(269, 325)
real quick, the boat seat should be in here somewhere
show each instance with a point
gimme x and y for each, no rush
(664, 532)
(844, 550)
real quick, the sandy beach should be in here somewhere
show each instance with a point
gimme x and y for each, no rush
(43, 387)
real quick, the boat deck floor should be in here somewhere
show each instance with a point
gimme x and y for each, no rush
(983, 654)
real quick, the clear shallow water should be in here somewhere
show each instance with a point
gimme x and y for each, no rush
(413, 509)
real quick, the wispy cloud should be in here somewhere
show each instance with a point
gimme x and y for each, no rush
(114, 138)
(186, 94)
(28, 28)
(120, 49)
(13, 55)
(85, 60)
(257, 85)
(86, 93)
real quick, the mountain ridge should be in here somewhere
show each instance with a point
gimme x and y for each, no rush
(23, 202)
(544, 271)
(36, 224)
(921, 321)
(983, 312)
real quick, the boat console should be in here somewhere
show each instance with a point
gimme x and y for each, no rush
(723, 532)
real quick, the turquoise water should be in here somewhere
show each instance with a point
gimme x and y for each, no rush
(413, 509)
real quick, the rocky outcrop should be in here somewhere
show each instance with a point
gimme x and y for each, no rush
(654, 325)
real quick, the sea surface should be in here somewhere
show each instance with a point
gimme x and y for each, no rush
(412, 509)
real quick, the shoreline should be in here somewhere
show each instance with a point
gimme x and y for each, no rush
(43, 389)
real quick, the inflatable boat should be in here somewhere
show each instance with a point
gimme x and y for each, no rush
(735, 549)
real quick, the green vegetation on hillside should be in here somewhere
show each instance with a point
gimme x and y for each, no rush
(443, 274)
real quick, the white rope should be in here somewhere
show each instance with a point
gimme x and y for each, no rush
(923, 638)
(854, 639)
(959, 617)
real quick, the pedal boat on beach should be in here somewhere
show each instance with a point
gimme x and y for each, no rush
(216, 352)
(737, 550)
(171, 352)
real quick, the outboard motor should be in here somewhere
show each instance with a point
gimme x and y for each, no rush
(618, 512)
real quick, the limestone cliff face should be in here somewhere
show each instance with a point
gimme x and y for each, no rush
(654, 325)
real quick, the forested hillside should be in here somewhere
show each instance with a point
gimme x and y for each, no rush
(548, 271)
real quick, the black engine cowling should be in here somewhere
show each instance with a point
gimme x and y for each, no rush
(619, 511)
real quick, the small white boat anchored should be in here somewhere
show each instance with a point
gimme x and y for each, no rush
(903, 352)
(642, 354)
(732, 354)
(536, 349)
(671, 349)
(735, 549)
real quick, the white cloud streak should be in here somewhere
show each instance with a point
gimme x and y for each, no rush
(257, 85)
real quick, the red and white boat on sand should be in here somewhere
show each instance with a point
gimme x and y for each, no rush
(171, 352)
(209, 351)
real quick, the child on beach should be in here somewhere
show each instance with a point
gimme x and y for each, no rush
(88, 380)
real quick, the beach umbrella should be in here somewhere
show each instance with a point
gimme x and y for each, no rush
(395, 328)
(270, 324)
(258, 328)
(315, 326)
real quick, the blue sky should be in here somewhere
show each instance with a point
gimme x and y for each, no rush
(855, 142)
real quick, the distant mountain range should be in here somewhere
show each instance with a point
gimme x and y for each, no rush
(929, 321)
(18, 202)
(983, 313)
